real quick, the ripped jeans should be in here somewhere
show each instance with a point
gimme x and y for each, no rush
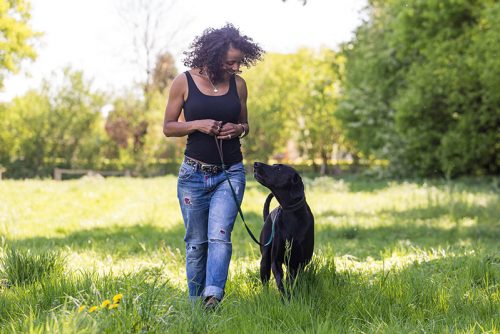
(209, 212)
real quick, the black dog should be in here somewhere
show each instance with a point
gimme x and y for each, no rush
(293, 223)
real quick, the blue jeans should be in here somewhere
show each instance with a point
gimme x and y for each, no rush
(209, 211)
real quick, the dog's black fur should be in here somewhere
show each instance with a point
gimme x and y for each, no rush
(294, 223)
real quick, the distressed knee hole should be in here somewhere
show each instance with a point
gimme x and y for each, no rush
(195, 249)
(221, 241)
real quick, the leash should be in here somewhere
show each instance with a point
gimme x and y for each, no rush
(219, 149)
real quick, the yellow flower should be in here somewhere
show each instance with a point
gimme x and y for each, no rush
(105, 303)
(117, 298)
(112, 306)
(92, 309)
(81, 308)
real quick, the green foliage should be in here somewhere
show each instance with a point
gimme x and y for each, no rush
(419, 86)
(57, 126)
(316, 104)
(62, 125)
(292, 99)
(16, 36)
(270, 103)
(24, 133)
(21, 266)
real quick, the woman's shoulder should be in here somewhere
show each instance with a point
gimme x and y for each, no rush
(182, 77)
(239, 79)
(240, 83)
(179, 83)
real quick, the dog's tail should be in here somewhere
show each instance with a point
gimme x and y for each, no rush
(265, 212)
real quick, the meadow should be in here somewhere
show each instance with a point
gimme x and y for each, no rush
(390, 256)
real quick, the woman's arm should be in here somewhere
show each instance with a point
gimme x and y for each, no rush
(171, 125)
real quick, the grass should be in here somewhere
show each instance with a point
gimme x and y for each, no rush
(395, 257)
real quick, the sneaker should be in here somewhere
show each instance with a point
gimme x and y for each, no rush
(211, 303)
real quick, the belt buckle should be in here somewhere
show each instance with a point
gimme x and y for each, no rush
(206, 168)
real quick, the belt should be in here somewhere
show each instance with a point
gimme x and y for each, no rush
(206, 168)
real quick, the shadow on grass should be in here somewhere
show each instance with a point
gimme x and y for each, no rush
(456, 210)
(416, 227)
(140, 239)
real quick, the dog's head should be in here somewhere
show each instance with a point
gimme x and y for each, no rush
(283, 181)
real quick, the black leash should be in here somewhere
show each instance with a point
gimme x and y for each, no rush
(219, 148)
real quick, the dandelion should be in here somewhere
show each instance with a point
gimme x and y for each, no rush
(112, 306)
(117, 298)
(92, 309)
(81, 308)
(105, 303)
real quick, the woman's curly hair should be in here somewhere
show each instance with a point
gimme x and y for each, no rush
(209, 50)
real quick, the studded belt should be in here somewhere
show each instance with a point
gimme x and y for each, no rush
(205, 168)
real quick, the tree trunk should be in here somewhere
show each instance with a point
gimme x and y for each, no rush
(324, 163)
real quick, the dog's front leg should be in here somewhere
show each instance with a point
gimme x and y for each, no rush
(277, 269)
(265, 265)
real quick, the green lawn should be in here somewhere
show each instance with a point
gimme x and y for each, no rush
(390, 256)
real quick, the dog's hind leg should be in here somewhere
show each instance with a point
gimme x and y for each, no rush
(277, 269)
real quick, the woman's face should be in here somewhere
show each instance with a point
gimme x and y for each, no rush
(232, 61)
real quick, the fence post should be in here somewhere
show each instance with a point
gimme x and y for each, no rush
(57, 174)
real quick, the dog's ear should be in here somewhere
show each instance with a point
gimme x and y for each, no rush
(297, 187)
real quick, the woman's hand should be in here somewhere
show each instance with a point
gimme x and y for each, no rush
(209, 126)
(230, 130)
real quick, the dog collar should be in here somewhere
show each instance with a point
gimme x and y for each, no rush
(295, 206)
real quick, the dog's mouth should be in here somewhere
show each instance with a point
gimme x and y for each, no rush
(258, 173)
(258, 177)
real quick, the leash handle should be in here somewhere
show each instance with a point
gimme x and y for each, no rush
(221, 154)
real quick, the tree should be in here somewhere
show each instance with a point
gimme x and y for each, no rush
(417, 91)
(269, 105)
(24, 133)
(16, 36)
(55, 126)
(164, 73)
(153, 30)
(293, 99)
(318, 79)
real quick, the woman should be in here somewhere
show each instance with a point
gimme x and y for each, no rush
(213, 98)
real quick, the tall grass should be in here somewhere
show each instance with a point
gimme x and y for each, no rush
(396, 257)
(24, 266)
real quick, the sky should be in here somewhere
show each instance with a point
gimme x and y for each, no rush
(92, 36)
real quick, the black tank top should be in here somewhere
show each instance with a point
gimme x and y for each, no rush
(225, 108)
